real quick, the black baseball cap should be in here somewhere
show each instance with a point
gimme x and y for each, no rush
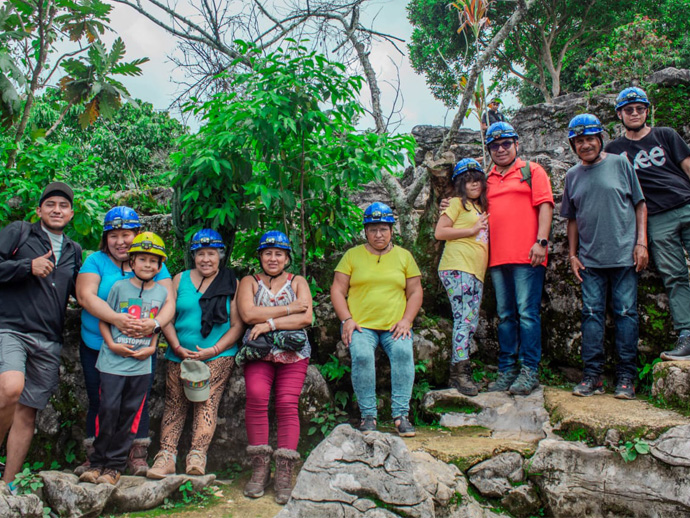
(57, 189)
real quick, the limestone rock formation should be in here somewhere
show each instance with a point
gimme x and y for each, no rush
(670, 76)
(673, 447)
(493, 478)
(576, 480)
(672, 383)
(351, 474)
(69, 498)
(26, 506)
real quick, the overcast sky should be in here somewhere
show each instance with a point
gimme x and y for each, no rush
(156, 85)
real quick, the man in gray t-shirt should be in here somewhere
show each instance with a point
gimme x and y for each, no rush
(606, 212)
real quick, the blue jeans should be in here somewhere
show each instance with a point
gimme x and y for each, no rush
(623, 283)
(518, 302)
(399, 352)
(92, 381)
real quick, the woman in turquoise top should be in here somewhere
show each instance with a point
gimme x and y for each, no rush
(206, 328)
(99, 272)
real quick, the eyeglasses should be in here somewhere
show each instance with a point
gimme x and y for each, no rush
(629, 110)
(506, 144)
(382, 231)
(580, 130)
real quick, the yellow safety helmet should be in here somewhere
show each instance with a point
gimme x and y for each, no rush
(148, 243)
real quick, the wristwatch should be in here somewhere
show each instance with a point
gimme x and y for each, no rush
(157, 329)
(543, 242)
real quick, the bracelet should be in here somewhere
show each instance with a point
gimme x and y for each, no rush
(288, 308)
(271, 323)
(216, 352)
(640, 244)
(572, 257)
(343, 321)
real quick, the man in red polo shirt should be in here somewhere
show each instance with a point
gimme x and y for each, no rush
(520, 211)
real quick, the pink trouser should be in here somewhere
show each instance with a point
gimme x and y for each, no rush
(288, 379)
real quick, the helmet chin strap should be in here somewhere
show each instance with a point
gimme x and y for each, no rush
(271, 277)
(143, 283)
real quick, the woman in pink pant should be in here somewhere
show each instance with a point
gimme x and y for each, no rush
(275, 353)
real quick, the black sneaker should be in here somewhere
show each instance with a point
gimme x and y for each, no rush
(625, 389)
(404, 427)
(367, 424)
(589, 386)
(681, 351)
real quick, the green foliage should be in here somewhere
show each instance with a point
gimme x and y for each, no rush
(578, 434)
(282, 154)
(333, 370)
(188, 496)
(670, 105)
(331, 415)
(632, 52)
(28, 482)
(629, 450)
(645, 374)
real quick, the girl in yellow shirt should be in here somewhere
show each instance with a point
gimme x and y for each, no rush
(464, 227)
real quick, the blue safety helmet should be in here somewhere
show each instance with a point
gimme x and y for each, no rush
(631, 95)
(584, 124)
(466, 164)
(500, 130)
(121, 217)
(378, 212)
(274, 239)
(206, 238)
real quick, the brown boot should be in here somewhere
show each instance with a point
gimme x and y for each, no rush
(461, 378)
(261, 470)
(88, 447)
(285, 462)
(136, 462)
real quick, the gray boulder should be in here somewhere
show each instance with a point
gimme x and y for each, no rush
(672, 383)
(673, 447)
(493, 478)
(26, 506)
(575, 480)
(522, 501)
(351, 474)
(670, 76)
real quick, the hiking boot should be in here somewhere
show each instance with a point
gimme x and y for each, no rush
(196, 463)
(505, 380)
(91, 475)
(136, 460)
(525, 383)
(680, 353)
(88, 447)
(589, 386)
(461, 378)
(367, 424)
(404, 427)
(163, 465)
(109, 476)
(285, 464)
(625, 389)
(261, 470)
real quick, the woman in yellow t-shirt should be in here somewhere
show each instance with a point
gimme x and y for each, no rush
(464, 227)
(376, 293)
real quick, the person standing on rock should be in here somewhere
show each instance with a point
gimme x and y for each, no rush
(492, 115)
(661, 159)
(520, 208)
(206, 328)
(100, 271)
(275, 352)
(464, 226)
(607, 247)
(38, 269)
(124, 362)
(376, 294)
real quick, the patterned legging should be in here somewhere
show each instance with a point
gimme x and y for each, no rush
(465, 294)
(205, 414)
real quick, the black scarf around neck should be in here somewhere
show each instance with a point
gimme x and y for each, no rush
(213, 302)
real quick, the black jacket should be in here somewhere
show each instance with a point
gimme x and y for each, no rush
(31, 304)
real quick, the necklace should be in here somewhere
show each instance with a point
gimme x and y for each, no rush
(381, 252)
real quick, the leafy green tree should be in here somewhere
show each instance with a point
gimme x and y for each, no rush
(632, 53)
(283, 154)
(536, 53)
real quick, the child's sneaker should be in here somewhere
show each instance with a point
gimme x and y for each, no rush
(525, 383)
(91, 474)
(625, 389)
(404, 427)
(505, 380)
(109, 476)
(589, 386)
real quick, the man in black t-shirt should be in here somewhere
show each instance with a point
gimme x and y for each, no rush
(661, 159)
(492, 114)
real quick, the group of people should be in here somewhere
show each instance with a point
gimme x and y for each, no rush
(212, 322)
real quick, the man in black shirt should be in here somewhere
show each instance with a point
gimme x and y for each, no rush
(38, 269)
(661, 159)
(492, 114)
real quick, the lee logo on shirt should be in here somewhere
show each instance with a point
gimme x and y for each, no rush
(643, 160)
